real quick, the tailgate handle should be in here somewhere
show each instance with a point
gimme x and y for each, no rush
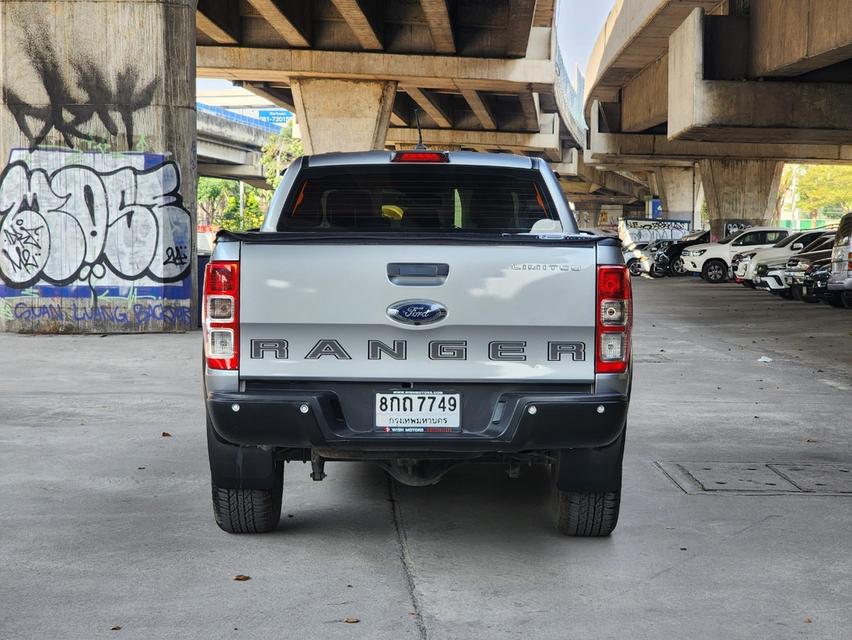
(418, 274)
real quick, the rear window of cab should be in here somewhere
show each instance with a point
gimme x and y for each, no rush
(440, 198)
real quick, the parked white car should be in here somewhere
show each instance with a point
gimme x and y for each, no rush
(633, 254)
(746, 271)
(712, 260)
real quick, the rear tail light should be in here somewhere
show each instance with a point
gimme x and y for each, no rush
(220, 312)
(420, 156)
(615, 319)
(849, 264)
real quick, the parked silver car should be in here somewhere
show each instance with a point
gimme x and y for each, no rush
(841, 262)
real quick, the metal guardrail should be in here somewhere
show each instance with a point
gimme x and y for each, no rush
(569, 99)
(237, 117)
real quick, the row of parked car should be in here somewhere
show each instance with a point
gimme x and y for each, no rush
(811, 266)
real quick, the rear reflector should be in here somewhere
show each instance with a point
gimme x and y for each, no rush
(615, 319)
(420, 156)
(221, 315)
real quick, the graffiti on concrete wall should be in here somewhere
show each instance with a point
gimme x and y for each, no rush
(126, 221)
(735, 226)
(112, 227)
(71, 105)
(645, 230)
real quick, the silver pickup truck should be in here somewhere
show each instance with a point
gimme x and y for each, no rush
(419, 310)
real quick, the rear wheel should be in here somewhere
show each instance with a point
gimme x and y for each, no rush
(835, 301)
(586, 490)
(847, 299)
(589, 514)
(248, 510)
(715, 271)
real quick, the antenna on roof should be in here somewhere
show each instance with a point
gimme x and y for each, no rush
(420, 146)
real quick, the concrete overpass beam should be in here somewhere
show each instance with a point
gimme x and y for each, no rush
(219, 20)
(678, 189)
(644, 101)
(792, 38)
(739, 190)
(546, 143)
(440, 26)
(364, 24)
(291, 20)
(343, 115)
(736, 111)
(480, 108)
(432, 105)
(96, 236)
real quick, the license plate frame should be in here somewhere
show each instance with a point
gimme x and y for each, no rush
(417, 412)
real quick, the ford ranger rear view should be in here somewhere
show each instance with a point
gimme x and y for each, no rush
(419, 310)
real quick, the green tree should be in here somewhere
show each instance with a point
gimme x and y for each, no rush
(254, 208)
(279, 152)
(213, 196)
(825, 189)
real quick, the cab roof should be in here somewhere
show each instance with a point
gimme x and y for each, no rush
(466, 158)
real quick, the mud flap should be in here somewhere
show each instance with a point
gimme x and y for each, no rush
(591, 469)
(233, 467)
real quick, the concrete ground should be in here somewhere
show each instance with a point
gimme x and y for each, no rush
(106, 522)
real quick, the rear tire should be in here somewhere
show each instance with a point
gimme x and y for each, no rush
(715, 271)
(249, 510)
(587, 514)
(835, 301)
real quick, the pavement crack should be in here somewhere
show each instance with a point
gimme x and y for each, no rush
(405, 559)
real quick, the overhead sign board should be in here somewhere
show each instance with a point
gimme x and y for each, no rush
(274, 116)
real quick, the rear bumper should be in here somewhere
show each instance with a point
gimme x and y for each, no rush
(318, 419)
(838, 284)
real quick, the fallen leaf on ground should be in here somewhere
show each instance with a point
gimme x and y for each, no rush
(351, 620)
(115, 627)
(166, 434)
(808, 620)
(241, 578)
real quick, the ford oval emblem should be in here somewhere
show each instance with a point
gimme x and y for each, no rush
(417, 312)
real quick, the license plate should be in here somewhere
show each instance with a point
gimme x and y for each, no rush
(418, 412)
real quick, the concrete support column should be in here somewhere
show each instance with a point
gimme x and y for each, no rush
(609, 215)
(739, 192)
(678, 189)
(97, 146)
(343, 115)
(587, 215)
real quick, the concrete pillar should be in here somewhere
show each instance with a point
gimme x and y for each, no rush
(343, 115)
(677, 187)
(97, 146)
(587, 215)
(739, 192)
(609, 216)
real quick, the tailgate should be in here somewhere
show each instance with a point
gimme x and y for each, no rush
(345, 312)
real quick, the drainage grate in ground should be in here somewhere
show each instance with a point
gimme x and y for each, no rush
(759, 478)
